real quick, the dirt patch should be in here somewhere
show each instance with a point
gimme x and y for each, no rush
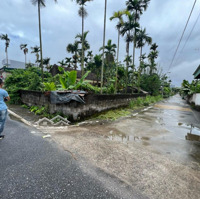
(155, 175)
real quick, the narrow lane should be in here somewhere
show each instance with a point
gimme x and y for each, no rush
(33, 167)
(162, 129)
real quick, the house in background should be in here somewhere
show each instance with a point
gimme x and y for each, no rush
(197, 73)
(12, 64)
(196, 96)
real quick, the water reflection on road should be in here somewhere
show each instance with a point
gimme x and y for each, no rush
(162, 129)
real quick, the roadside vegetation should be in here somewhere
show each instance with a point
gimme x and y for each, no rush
(130, 75)
(135, 104)
(188, 89)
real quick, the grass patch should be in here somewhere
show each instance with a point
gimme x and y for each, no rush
(134, 104)
(114, 114)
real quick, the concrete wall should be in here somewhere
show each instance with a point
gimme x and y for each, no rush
(76, 111)
(195, 99)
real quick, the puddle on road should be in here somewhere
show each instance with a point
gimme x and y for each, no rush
(122, 137)
(191, 129)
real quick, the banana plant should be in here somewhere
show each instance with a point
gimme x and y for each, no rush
(68, 79)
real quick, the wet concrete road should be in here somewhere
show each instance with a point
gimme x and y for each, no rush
(33, 167)
(162, 129)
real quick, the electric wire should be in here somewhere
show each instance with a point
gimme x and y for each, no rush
(182, 35)
(189, 35)
(191, 32)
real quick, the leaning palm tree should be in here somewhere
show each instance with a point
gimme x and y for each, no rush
(25, 50)
(36, 50)
(7, 42)
(40, 3)
(83, 14)
(137, 7)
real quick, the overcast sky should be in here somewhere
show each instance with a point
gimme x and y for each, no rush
(164, 22)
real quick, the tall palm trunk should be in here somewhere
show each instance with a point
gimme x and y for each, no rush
(140, 56)
(82, 59)
(104, 36)
(140, 70)
(134, 46)
(134, 43)
(7, 56)
(127, 66)
(117, 61)
(40, 42)
(25, 59)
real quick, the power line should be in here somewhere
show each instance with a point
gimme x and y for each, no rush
(191, 32)
(189, 35)
(182, 35)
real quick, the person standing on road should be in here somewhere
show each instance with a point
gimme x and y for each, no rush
(3, 108)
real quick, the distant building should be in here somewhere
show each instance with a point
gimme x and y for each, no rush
(197, 73)
(12, 64)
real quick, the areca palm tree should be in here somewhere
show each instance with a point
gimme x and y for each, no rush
(90, 55)
(142, 39)
(109, 51)
(25, 50)
(62, 63)
(138, 7)
(7, 42)
(40, 3)
(83, 14)
(68, 61)
(46, 62)
(128, 26)
(143, 65)
(73, 48)
(36, 50)
(152, 56)
(86, 45)
(118, 15)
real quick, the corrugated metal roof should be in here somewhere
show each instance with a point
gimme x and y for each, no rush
(13, 64)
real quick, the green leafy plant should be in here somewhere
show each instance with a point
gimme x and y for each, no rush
(69, 81)
(49, 86)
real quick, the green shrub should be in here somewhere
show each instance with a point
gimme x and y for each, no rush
(20, 79)
(139, 102)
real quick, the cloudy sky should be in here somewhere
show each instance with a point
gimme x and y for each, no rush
(164, 22)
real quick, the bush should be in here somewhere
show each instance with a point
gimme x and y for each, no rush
(151, 84)
(20, 79)
(139, 102)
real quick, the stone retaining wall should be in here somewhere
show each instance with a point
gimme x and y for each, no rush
(93, 103)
